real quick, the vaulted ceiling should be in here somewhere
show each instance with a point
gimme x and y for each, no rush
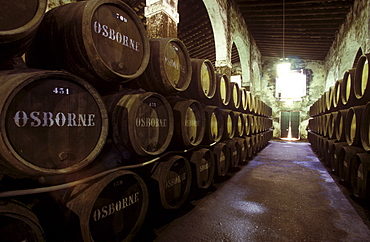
(302, 29)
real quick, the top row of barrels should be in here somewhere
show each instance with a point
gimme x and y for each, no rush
(352, 90)
(109, 47)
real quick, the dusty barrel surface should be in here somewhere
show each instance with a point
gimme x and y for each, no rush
(173, 178)
(240, 125)
(203, 82)
(189, 122)
(364, 128)
(214, 124)
(360, 182)
(361, 84)
(235, 97)
(234, 152)
(229, 124)
(169, 70)
(222, 159)
(346, 158)
(108, 43)
(110, 208)
(353, 125)
(242, 147)
(52, 122)
(347, 94)
(18, 25)
(203, 167)
(141, 122)
(19, 223)
(340, 133)
(222, 94)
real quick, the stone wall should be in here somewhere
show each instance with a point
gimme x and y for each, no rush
(315, 73)
(353, 34)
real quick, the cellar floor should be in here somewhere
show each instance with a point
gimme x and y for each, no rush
(283, 194)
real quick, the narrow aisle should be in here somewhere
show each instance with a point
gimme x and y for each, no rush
(283, 194)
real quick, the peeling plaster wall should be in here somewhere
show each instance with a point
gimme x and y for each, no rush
(315, 87)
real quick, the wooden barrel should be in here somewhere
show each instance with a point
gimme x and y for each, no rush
(364, 128)
(110, 208)
(329, 100)
(361, 179)
(222, 159)
(247, 129)
(243, 100)
(229, 124)
(353, 125)
(347, 92)
(340, 133)
(249, 147)
(361, 84)
(235, 97)
(234, 152)
(18, 25)
(332, 122)
(327, 151)
(169, 70)
(239, 121)
(249, 97)
(202, 166)
(214, 127)
(53, 123)
(242, 148)
(252, 123)
(108, 43)
(336, 100)
(173, 181)
(325, 124)
(346, 157)
(189, 122)
(203, 82)
(19, 223)
(141, 122)
(334, 163)
(222, 94)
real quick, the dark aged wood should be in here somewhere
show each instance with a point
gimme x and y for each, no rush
(21, 223)
(19, 21)
(52, 122)
(214, 124)
(141, 122)
(203, 167)
(222, 94)
(203, 82)
(169, 69)
(235, 97)
(361, 85)
(222, 159)
(108, 44)
(111, 208)
(229, 124)
(173, 178)
(189, 122)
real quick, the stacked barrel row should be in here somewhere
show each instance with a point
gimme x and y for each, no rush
(102, 123)
(339, 128)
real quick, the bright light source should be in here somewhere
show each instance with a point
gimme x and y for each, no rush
(290, 84)
(283, 69)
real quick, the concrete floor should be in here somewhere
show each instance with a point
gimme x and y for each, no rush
(283, 194)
